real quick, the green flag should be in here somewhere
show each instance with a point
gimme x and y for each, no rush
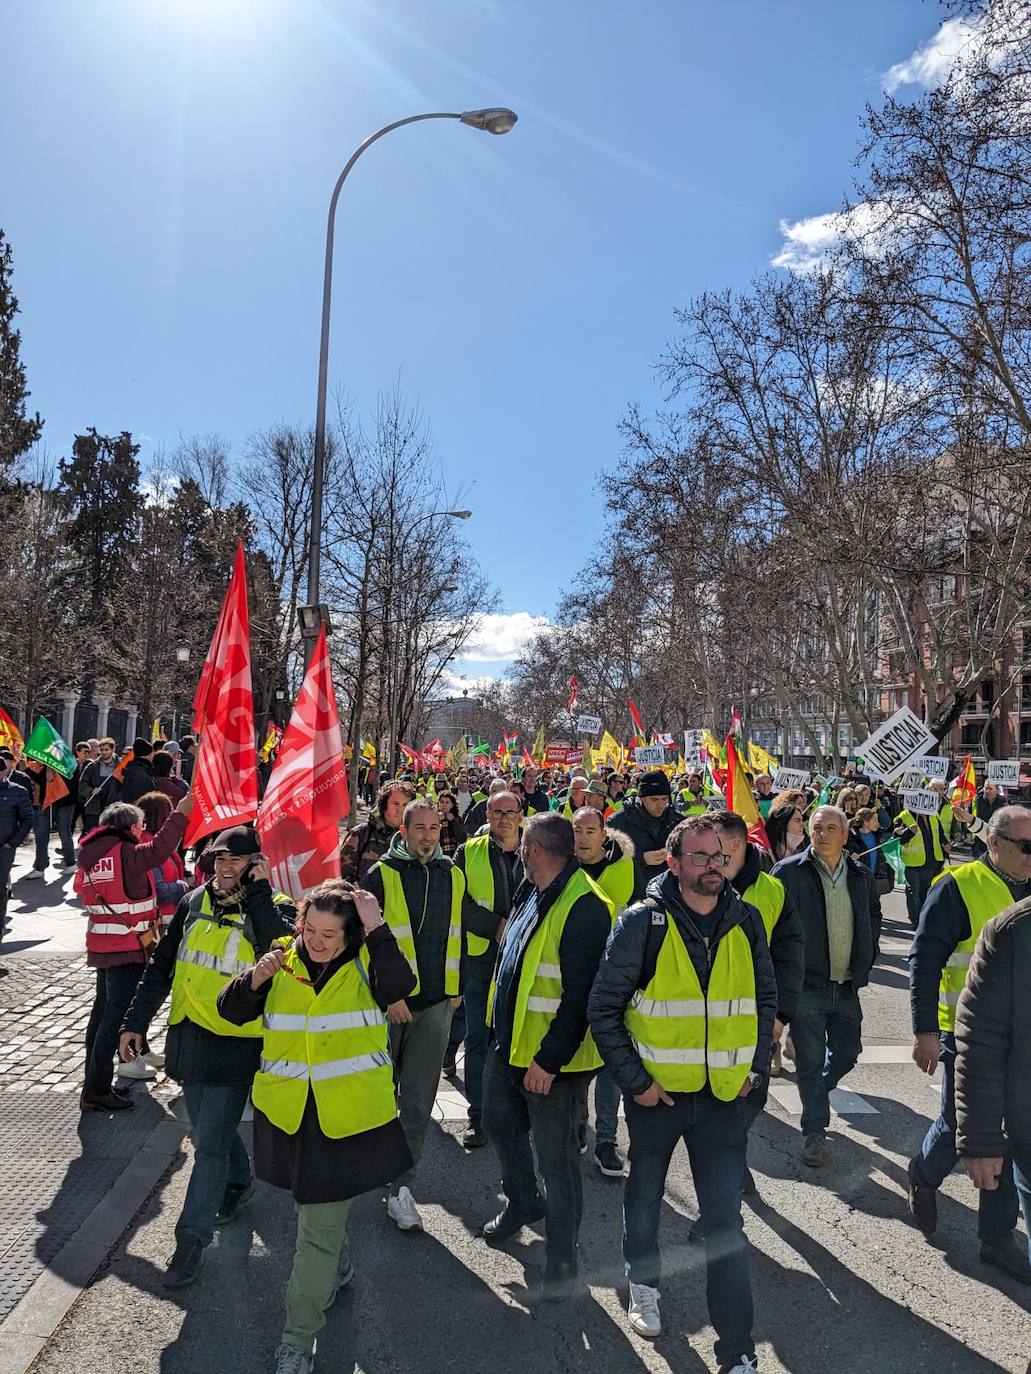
(45, 745)
(892, 850)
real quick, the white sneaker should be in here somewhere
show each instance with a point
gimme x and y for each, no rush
(643, 1312)
(137, 1068)
(403, 1210)
(155, 1060)
(746, 1365)
(70, 868)
(290, 1359)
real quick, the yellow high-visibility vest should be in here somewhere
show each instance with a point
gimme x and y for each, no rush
(333, 1043)
(767, 895)
(914, 853)
(984, 896)
(688, 1037)
(398, 918)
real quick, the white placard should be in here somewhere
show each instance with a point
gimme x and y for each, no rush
(895, 744)
(912, 780)
(934, 766)
(1003, 772)
(650, 755)
(923, 802)
(790, 779)
(588, 725)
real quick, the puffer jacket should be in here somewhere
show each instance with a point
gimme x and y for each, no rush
(646, 832)
(623, 971)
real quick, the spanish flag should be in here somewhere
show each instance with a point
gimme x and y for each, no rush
(10, 735)
(738, 793)
(964, 787)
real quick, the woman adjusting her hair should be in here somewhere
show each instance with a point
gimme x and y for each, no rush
(325, 1115)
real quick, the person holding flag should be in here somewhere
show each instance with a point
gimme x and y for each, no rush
(45, 748)
(16, 817)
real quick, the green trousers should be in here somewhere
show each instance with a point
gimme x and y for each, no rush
(321, 1255)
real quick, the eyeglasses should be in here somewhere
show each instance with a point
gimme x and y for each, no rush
(505, 813)
(699, 859)
(1023, 845)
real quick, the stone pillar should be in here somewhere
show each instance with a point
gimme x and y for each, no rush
(103, 707)
(132, 712)
(68, 723)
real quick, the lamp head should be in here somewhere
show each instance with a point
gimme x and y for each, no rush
(496, 121)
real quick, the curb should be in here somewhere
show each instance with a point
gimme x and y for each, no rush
(42, 1309)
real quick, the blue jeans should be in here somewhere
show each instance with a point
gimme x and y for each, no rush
(826, 1031)
(1022, 1180)
(716, 1135)
(41, 834)
(219, 1155)
(64, 819)
(997, 1209)
(606, 1108)
(510, 1113)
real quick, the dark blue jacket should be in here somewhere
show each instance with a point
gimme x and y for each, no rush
(15, 813)
(801, 880)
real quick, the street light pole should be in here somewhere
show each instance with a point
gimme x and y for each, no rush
(492, 121)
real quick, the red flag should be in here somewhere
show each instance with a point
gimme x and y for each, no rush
(527, 760)
(964, 785)
(207, 687)
(573, 684)
(10, 735)
(306, 798)
(639, 728)
(225, 775)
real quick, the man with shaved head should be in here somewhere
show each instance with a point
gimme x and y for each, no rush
(841, 920)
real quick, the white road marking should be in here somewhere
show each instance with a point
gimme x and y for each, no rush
(843, 1102)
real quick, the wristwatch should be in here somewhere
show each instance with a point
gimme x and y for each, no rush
(754, 1079)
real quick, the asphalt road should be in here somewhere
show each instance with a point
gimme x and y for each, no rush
(842, 1280)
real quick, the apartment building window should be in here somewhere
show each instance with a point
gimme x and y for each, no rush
(986, 691)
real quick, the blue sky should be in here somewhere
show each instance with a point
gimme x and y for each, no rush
(166, 169)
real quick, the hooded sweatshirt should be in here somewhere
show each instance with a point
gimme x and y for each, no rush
(427, 890)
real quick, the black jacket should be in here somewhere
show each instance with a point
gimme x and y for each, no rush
(137, 779)
(802, 882)
(993, 1032)
(646, 832)
(193, 1054)
(427, 891)
(626, 968)
(477, 920)
(580, 949)
(787, 944)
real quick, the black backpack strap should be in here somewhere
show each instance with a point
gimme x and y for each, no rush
(653, 944)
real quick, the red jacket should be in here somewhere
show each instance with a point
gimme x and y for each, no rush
(126, 895)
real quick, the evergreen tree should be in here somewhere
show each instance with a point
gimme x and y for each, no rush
(18, 430)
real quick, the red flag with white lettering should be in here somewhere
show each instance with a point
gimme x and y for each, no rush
(203, 696)
(225, 775)
(307, 798)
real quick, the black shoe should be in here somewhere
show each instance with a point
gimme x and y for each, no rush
(1008, 1256)
(748, 1188)
(581, 1137)
(106, 1102)
(608, 1161)
(237, 1195)
(449, 1068)
(507, 1223)
(559, 1281)
(923, 1204)
(696, 1235)
(183, 1267)
(475, 1136)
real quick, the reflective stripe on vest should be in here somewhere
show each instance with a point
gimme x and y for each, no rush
(332, 1043)
(209, 955)
(540, 982)
(115, 922)
(984, 896)
(914, 853)
(398, 918)
(766, 894)
(479, 883)
(710, 1036)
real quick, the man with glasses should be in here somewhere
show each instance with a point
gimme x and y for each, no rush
(841, 920)
(492, 871)
(957, 909)
(682, 1012)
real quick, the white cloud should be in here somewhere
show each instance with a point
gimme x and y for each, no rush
(497, 638)
(452, 684)
(931, 64)
(808, 243)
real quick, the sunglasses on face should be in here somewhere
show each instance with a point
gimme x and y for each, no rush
(1023, 845)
